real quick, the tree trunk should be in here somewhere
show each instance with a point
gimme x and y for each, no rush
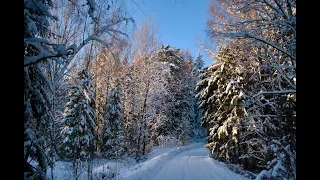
(89, 168)
(52, 172)
(42, 161)
(143, 118)
(76, 164)
(138, 145)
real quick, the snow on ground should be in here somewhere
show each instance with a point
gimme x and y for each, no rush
(156, 160)
(186, 163)
(101, 169)
(190, 162)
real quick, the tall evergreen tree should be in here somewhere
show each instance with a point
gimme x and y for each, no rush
(114, 145)
(198, 63)
(222, 101)
(241, 126)
(37, 117)
(37, 89)
(79, 120)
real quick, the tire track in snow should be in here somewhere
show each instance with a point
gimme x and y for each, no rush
(159, 163)
(207, 172)
(188, 164)
(227, 171)
(186, 167)
(192, 162)
(167, 167)
(195, 164)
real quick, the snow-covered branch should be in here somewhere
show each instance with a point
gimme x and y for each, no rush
(70, 51)
(248, 35)
(285, 149)
(275, 92)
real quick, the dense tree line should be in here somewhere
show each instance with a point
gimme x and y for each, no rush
(248, 94)
(94, 88)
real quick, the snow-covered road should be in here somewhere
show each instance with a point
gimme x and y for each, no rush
(191, 162)
(195, 164)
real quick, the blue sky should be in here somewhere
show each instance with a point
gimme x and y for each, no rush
(180, 22)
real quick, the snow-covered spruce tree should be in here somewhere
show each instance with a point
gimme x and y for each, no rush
(78, 122)
(37, 91)
(270, 28)
(202, 83)
(37, 117)
(241, 128)
(197, 66)
(113, 137)
(188, 82)
(233, 134)
(221, 95)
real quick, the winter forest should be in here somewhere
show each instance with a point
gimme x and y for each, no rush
(101, 94)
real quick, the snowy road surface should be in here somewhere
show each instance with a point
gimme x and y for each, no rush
(195, 164)
(191, 162)
(181, 163)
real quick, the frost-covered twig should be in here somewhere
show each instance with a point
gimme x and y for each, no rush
(278, 143)
(275, 92)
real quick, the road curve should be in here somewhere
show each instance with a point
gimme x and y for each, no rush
(195, 164)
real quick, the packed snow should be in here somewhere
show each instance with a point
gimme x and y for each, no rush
(191, 164)
(163, 163)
